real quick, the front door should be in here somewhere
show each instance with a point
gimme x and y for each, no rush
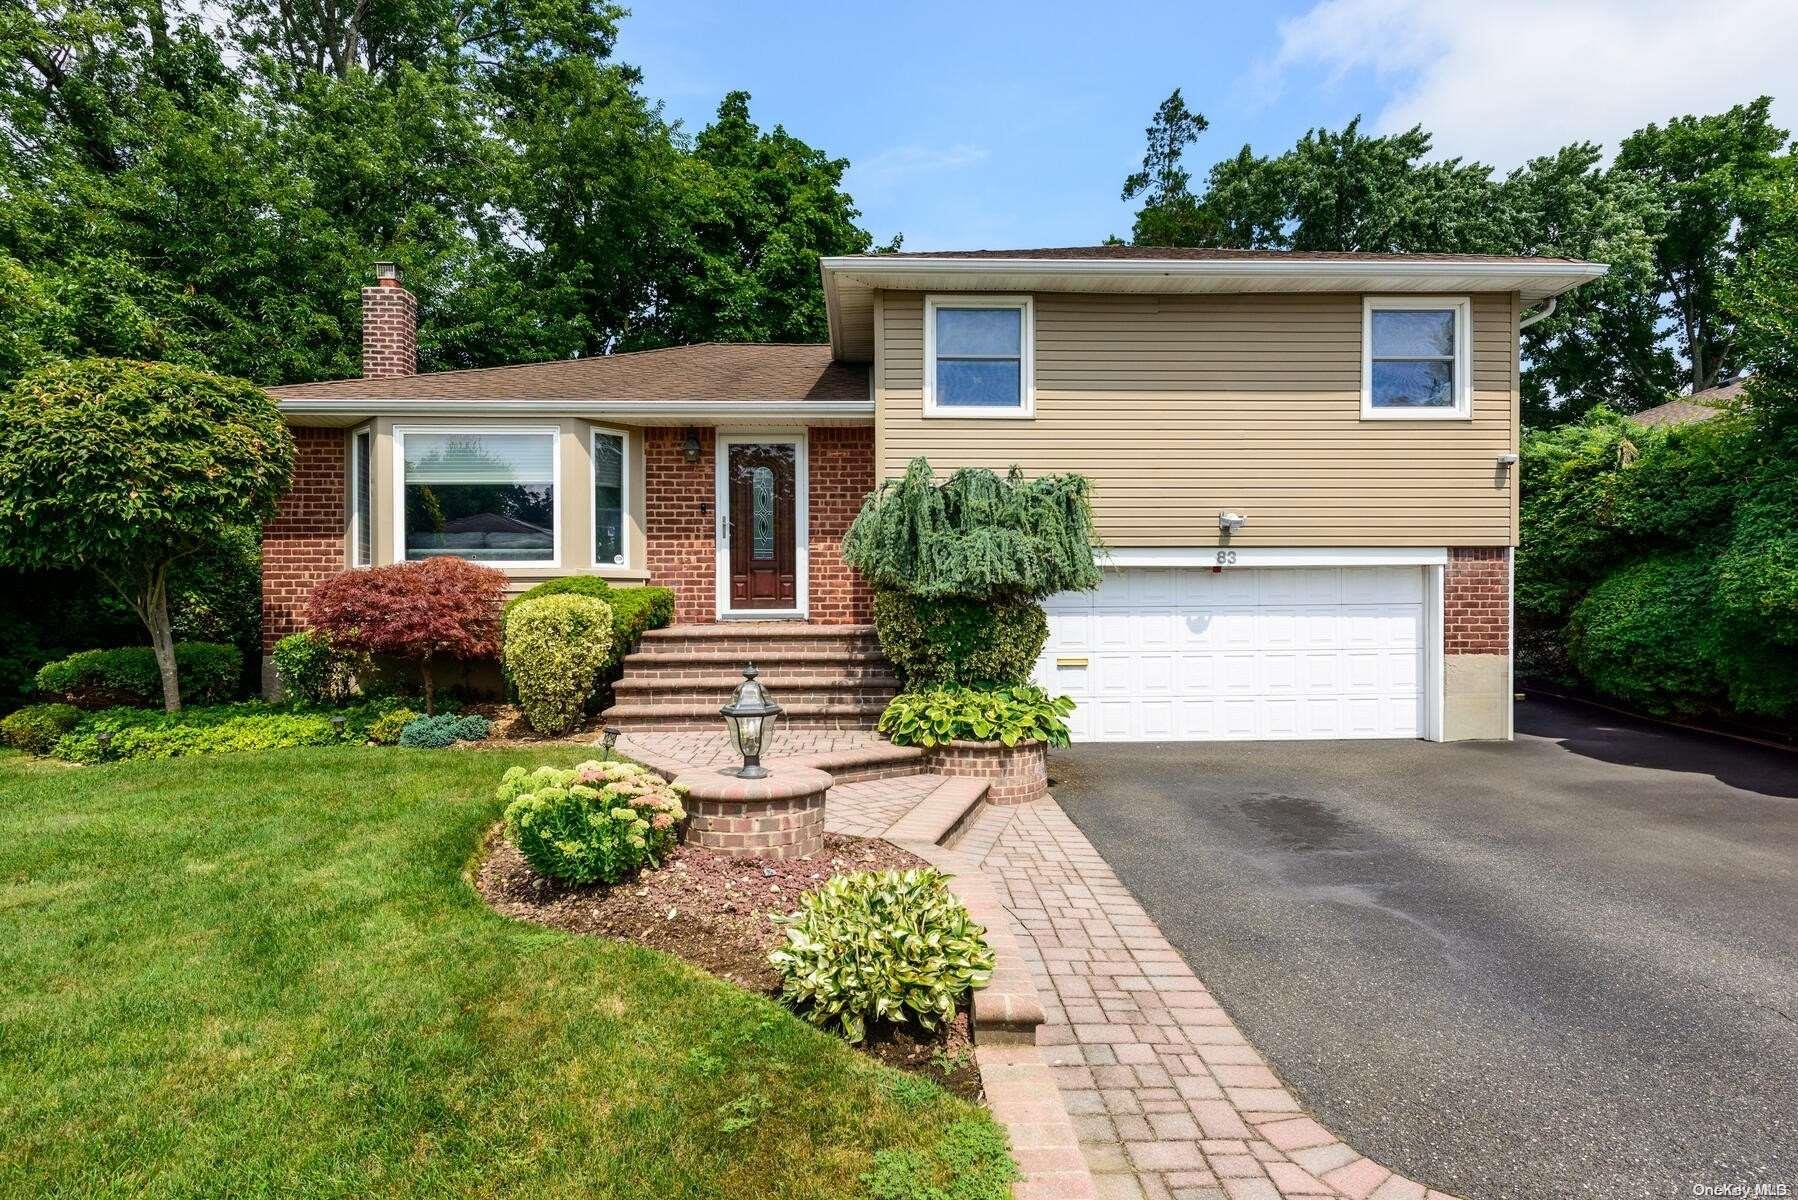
(761, 491)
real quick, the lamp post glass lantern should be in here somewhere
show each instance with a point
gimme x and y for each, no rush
(751, 714)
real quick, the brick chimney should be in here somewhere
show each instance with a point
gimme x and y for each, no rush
(389, 326)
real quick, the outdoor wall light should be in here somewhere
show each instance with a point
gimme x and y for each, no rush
(1229, 522)
(751, 714)
(1507, 460)
(691, 449)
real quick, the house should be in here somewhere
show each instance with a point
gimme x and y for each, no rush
(1303, 470)
(1689, 410)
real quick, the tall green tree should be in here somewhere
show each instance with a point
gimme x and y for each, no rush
(1170, 214)
(1708, 171)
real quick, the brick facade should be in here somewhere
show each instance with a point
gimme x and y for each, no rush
(389, 331)
(840, 464)
(304, 543)
(679, 520)
(1476, 601)
(679, 497)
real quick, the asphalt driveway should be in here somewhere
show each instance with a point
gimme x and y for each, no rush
(1564, 966)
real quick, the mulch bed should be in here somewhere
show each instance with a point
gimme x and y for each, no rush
(712, 910)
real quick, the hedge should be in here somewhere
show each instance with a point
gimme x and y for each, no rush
(635, 610)
(209, 672)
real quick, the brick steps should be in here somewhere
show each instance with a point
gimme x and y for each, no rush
(937, 817)
(823, 676)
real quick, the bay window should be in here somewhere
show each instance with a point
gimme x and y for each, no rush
(609, 476)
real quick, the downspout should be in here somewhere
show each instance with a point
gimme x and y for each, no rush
(1553, 303)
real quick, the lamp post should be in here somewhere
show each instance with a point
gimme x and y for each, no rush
(610, 739)
(751, 714)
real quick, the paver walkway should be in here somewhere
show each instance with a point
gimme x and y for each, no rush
(1169, 1098)
(713, 748)
(869, 808)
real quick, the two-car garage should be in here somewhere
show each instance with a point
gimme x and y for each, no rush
(1241, 652)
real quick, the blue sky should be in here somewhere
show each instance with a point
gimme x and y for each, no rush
(996, 124)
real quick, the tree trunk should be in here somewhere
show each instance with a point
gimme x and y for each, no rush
(155, 612)
(425, 671)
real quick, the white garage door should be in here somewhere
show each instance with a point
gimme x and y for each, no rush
(1185, 654)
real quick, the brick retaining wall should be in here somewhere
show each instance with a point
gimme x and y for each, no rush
(1014, 774)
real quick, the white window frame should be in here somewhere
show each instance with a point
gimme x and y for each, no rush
(355, 523)
(1462, 409)
(555, 467)
(1025, 409)
(594, 433)
(802, 526)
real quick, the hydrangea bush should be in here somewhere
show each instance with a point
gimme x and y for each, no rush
(601, 822)
(881, 946)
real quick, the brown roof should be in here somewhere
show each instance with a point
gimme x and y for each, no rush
(710, 371)
(1213, 254)
(1699, 406)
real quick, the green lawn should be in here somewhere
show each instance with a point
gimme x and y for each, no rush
(264, 975)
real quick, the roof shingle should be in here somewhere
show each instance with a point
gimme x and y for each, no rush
(710, 371)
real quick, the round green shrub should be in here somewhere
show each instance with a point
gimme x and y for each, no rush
(385, 730)
(311, 669)
(37, 728)
(208, 671)
(1647, 634)
(967, 643)
(444, 730)
(635, 610)
(881, 946)
(555, 649)
(601, 822)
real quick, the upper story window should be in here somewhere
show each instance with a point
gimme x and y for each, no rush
(1415, 358)
(977, 356)
(487, 495)
(609, 467)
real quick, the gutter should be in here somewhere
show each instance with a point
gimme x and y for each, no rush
(1131, 268)
(1554, 302)
(674, 410)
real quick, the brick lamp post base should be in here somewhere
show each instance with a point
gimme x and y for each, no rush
(780, 816)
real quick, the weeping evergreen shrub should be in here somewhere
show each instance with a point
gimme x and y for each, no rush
(976, 536)
(958, 569)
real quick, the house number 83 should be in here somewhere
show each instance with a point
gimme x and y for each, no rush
(1226, 558)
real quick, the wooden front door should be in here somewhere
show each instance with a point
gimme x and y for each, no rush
(762, 486)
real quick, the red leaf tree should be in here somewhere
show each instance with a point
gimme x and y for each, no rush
(414, 611)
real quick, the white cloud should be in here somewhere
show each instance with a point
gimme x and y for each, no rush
(880, 173)
(1504, 82)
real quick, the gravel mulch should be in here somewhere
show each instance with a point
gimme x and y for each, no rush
(712, 910)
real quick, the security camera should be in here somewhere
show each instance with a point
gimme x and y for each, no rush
(1230, 521)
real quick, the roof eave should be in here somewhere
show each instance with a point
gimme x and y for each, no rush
(1537, 281)
(350, 410)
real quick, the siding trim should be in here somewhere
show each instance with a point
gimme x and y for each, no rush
(1270, 556)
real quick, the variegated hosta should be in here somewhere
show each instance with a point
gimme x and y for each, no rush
(598, 823)
(893, 946)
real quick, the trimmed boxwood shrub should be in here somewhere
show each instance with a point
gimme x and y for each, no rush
(209, 672)
(602, 822)
(635, 610)
(556, 647)
(386, 729)
(312, 670)
(1646, 634)
(968, 643)
(444, 730)
(881, 947)
(37, 728)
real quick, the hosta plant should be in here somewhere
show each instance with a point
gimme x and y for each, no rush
(601, 822)
(881, 946)
(1024, 713)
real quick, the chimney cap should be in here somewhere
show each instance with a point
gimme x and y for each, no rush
(387, 273)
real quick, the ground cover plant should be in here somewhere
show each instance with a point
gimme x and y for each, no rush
(362, 1024)
(125, 733)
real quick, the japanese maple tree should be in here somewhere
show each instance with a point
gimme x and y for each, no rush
(414, 611)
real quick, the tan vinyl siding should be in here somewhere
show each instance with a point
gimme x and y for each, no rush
(1179, 407)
